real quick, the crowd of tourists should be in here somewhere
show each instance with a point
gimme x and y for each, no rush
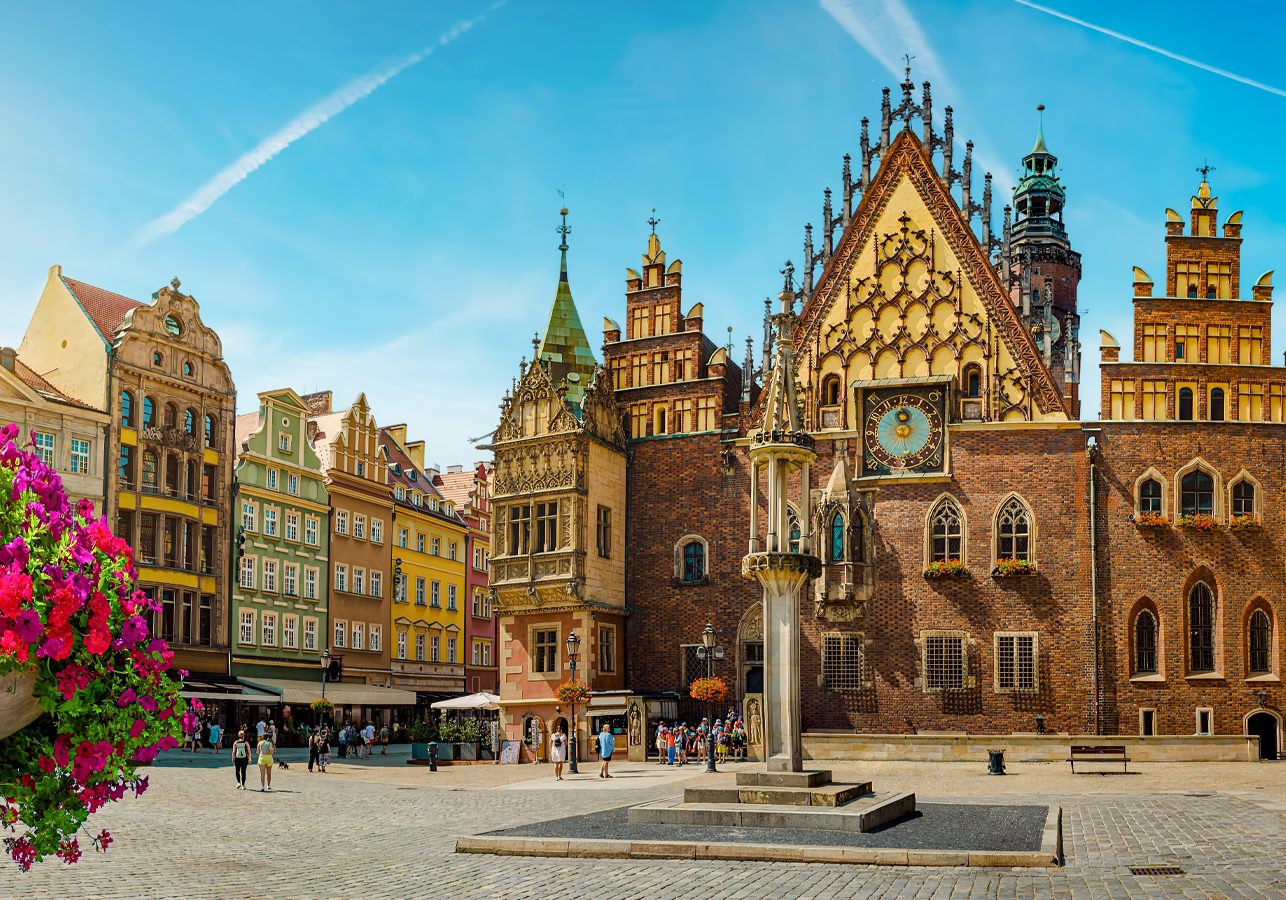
(680, 743)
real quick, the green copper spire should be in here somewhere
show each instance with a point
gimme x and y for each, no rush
(564, 348)
(1039, 197)
(1040, 132)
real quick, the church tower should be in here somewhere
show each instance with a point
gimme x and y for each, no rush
(1041, 269)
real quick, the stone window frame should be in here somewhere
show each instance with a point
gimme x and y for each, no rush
(1217, 504)
(679, 546)
(863, 682)
(1145, 605)
(1011, 497)
(615, 654)
(1196, 721)
(1215, 672)
(995, 668)
(944, 497)
(1153, 474)
(1155, 720)
(829, 532)
(1241, 477)
(557, 672)
(968, 680)
(1259, 604)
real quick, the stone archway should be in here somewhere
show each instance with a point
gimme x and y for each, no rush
(750, 652)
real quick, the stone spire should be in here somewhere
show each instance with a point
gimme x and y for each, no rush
(564, 347)
(781, 420)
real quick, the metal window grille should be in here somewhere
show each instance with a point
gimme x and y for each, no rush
(691, 666)
(843, 665)
(1201, 609)
(944, 662)
(1145, 643)
(1016, 662)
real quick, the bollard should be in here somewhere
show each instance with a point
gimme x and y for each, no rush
(433, 757)
(995, 762)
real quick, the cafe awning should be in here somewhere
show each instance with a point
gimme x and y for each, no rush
(480, 700)
(212, 688)
(341, 694)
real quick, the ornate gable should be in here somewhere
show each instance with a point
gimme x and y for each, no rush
(536, 408)
(599, 410)
(910, 293)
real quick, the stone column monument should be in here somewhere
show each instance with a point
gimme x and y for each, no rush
(779, 449)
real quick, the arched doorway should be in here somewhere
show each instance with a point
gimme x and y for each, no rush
(750, 651)
(1267, 727)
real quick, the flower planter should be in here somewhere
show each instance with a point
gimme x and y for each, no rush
(952, 568)
(419, 750)
(18, 707)
(466, 751)
(446, 751)
(1198, 522)
(1243, 523)
(1150, 520)
(1012, 568)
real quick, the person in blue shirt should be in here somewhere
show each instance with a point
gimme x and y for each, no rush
(606, 745)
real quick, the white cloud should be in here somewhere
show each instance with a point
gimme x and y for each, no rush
(306, 122)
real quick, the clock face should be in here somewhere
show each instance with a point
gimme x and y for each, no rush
(904, 431)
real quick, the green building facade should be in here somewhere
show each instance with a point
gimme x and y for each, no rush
(280, 551)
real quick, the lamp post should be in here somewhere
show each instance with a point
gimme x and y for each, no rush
(573, 651)
(325, 669)
(709, 652)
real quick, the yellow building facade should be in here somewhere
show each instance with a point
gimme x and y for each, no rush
(427, 559)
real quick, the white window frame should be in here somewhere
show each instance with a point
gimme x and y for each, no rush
(435, 648)
(290, 632)
(270, 575)
(292, 527)
(310, 583)
(377, 583)
(376, 638)
(292, 484)
(249, 516)
(249, 567)
(359, 527)
(340, 632)
(290, 579)
(80, 455)
(452, 597)
(272, 479)
(452, 643)
(359, 580)
(310, 633)
(377, 531)
(341, 521)
(312, 531)
(420, 585)
(357, 638)
(270, 521)
(45, 445)
(268, 629)
(247, 632)
(401, 643)
(341, 577)
(420, 654)
(435, 594)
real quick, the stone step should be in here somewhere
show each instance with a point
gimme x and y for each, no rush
(784, 779)
(864, 814)
(823, 795)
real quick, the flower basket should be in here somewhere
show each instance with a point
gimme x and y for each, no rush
(572, 692)
(1198, 522)
(709, 690)
(1150, 520)
(1013, 568)
(1244, 523)
(323, 706)
(74, 638)
(948, 568)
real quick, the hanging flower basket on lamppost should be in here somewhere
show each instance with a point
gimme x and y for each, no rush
(709, 690)
(91, 698)
(572, 692)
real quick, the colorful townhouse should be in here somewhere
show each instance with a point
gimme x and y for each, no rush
(281, 590)
(470, 491)
(167, 455)
(361, 516)
(428, 564)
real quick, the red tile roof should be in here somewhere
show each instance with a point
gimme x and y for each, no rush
(38, 384)
(107, 310)
(456, 486)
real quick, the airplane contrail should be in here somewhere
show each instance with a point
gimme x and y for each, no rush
(306, 122)
(1177, 57)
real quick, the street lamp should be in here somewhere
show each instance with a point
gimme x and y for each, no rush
(709, 652)
(573, 651)
(325, 668)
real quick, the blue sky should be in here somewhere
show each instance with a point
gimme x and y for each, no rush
(406, 247)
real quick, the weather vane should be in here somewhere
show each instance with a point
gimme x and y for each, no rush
(908, 57)
(654, 221)
(1205, 170)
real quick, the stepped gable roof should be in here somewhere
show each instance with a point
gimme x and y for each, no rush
(105, 309)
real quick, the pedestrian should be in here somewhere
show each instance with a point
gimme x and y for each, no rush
(196, 735)
(558, 751)
(271, 733)
(216, 737)
(660, 743)
(681, 744)
(669, 747)
(313, 743)
(384, 739)
(241, 758)
(606, 744)
(323, 750)
(369, 738)
(265, 764)
(260, 729)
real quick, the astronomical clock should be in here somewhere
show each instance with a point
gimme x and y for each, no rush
(904, 430)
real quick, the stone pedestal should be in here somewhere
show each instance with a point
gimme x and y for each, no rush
(783, 576)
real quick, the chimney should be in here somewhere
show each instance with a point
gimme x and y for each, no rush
(454, 470)
(415, 450)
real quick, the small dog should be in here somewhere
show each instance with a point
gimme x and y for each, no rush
(282, 764)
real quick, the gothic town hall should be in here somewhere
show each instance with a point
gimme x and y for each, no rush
(992, 563)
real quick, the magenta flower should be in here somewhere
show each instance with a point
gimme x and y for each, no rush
(28, 625)
(137, 728)
(126, 698)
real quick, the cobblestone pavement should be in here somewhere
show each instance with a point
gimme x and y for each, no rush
(384, 829)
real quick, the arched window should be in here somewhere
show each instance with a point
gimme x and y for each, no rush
(859, 539)
(1185, 404)
(191, 485)
(171, 415)
(946, 532)
(127, 409)
(694, 562)
(187, 369)
(837, 538)
(1243, 498)
(830, 390)
(1201, 628)
(1145, 643)
(210, 433)
(972, 380)
(792, 530)
(1216, 404)
(189, 421)
(1150, 496)
(157, 359)
(1013, 531)
(149, 412)
(1260, 634)
(1197, 494)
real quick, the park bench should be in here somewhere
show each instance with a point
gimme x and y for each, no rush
(1096, 753)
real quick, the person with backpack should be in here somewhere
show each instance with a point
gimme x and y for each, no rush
(241, 759)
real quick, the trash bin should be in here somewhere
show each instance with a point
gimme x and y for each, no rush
(995, 762)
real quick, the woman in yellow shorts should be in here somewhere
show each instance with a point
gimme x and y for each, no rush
(265, 764)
